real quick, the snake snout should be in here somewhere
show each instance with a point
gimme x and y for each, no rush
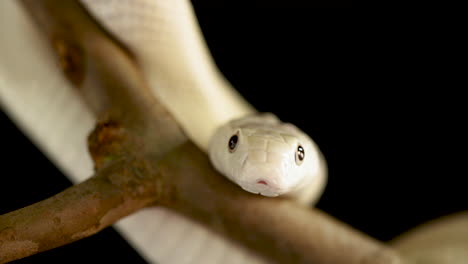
(262, 179)
(262, 182)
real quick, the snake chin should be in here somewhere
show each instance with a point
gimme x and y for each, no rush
(272, 195)
(264, 192)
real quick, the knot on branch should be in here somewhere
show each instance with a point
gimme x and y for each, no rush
(106, 142)
(137, 178)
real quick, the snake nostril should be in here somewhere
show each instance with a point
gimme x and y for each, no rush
(262, 182)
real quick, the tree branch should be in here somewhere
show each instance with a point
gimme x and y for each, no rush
(75, 213)
(142, 158)
(285, 231)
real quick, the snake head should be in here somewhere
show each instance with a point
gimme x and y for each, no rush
(264, 157)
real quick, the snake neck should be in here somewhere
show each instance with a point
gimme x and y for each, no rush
(175, 60)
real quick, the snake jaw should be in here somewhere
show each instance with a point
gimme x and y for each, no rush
(263, 193)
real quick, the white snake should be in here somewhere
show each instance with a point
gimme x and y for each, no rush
(269, 157)
(258, 152)
(266, 156)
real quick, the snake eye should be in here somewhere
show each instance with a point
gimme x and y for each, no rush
(300, 155)
(232, 144)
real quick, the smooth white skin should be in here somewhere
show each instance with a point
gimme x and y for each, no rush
(264, 160)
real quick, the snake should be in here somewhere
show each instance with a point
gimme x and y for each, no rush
(256, 151)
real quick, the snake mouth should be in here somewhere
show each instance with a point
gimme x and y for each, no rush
(261, 187)
(262, 182)
(263, 193)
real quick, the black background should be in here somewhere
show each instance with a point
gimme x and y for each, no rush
(381, 105)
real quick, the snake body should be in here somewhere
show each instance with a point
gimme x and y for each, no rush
(45, 106)
(168, 45)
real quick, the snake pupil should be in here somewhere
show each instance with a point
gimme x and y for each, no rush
(233, 143)
(300, 155)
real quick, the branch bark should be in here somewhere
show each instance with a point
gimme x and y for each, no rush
(75, 213)
(143, 158)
